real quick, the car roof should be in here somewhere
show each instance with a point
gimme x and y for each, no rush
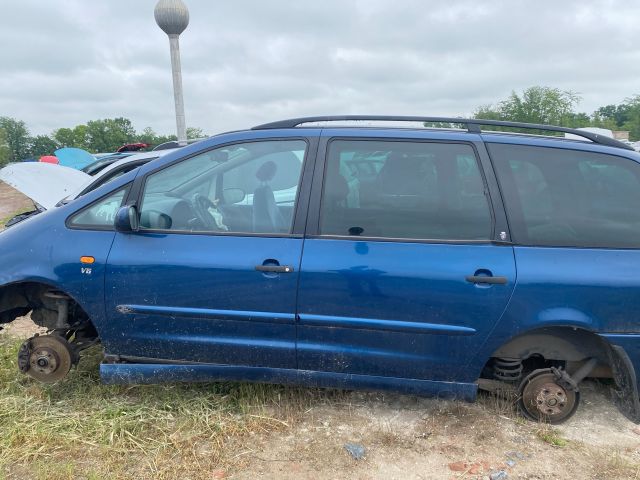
(470, 125)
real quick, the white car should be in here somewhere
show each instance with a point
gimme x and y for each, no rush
(49, 185)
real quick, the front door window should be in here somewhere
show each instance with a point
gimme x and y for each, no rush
(243, 188)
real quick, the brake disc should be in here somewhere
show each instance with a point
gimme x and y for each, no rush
(543, 398)
(50, 358)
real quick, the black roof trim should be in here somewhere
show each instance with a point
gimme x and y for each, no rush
(471, 124)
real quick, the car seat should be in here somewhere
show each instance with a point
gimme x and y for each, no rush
(267, 217)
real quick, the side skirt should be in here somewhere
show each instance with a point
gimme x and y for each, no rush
(147, 373)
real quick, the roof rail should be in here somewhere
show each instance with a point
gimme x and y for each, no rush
(471, 124)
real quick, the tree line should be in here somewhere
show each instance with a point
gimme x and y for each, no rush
(536, 104)
(553, 106)
(96, 136)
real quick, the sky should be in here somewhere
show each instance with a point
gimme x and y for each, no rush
(247, 62)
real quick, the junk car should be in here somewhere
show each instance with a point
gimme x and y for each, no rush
(351, 252)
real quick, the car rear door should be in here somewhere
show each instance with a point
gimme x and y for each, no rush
(575, 219)
(407, 265)
(211, 275)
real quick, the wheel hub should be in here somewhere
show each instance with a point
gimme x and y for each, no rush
(551, 399)
(47, 358)
(44, 360)
(542, 399)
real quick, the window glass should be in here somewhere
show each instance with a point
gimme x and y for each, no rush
(102, 213)
(558, 197)
(404, 190)
(116, 173)
(245, 188)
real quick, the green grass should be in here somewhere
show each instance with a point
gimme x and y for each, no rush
(551, 436)
(80, 427)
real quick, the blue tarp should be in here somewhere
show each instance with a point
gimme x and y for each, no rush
(74, 157)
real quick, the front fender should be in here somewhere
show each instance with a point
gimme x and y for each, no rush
(44, 251)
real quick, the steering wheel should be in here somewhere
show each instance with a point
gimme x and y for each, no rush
(201, 205)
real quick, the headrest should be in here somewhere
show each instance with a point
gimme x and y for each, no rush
(267, 171)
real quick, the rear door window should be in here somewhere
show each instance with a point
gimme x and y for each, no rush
(570, 198)
(404, 190)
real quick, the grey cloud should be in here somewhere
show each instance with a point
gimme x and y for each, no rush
(246, 62)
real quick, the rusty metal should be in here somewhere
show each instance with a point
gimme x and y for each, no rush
(547, 398)
(551, 399)
(50, 358)
(498, 387)
(62, 304)
(23, 356)
(584, 371)
(507, 369)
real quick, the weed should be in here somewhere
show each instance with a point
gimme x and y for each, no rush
(613, 464)
(551, 436)
(501, 403)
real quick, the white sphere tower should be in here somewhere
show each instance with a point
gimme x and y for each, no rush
(172, 16)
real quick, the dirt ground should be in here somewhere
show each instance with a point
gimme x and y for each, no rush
(407, 437)
(11, 202)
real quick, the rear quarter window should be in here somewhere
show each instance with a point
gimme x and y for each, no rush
(569, 198)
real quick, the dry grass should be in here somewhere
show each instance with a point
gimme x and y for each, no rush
(9, 217)
(4, 220)
(609, 462)
(502, 403)
(81, 428)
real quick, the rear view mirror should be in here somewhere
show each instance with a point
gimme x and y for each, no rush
(126, 219)
(233, 195)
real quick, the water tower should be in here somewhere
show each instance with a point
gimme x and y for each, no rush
(172, 16)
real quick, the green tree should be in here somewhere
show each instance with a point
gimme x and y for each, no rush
(488, 112)
(536, 104)
(150, 137)
(147, 136)
(17, 138)
(42, 145)
(603, 122)
(632, 122)
(624, 116)
(5, 151)
(72, 137)
(193, 133)
(578, 120)
(618, 114)
(109, 134)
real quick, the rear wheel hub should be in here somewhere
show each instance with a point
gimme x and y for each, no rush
(542, 399)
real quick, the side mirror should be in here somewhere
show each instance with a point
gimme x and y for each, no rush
(233, 195)
(126, 219)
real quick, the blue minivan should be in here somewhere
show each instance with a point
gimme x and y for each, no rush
(432, 258)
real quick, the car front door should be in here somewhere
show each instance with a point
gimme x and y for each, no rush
(211, 274)
(401, 276)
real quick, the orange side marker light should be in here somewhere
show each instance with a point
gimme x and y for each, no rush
(87, 260)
